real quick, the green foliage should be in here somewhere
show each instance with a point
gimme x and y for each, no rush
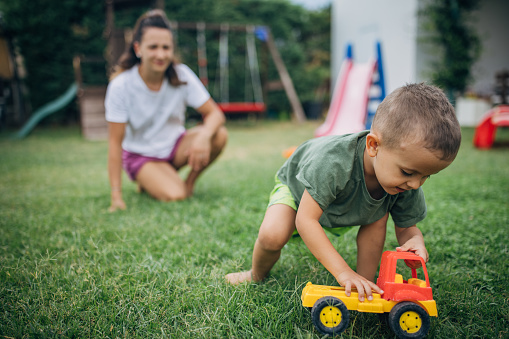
(49, 33)
(302, 37)
(458, 44)
(68, 268)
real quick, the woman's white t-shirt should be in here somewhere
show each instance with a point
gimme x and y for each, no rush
(155, 119)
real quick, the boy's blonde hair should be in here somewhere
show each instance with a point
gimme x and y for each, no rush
(418, 113)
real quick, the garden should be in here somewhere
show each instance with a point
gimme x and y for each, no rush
(69, 268)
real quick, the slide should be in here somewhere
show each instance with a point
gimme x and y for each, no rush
(485, 132)
(349, 104)
(353, 103)
(44, 111)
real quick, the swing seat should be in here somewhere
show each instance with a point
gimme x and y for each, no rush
(242, 107)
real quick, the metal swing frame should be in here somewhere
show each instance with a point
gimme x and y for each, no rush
(253, 102)
(263, 33)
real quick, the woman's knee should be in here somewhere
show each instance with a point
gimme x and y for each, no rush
(171, 196)
(220, 138)
(174, 193)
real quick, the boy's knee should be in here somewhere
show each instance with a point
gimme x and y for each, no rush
(272, 241)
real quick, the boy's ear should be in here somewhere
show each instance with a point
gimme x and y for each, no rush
(372, 144)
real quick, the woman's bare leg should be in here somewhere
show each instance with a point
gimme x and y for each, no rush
(161, 181)
(276, 229)
(181, 159)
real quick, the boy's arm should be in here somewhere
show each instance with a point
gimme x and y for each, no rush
(410, 239)
(314, 237)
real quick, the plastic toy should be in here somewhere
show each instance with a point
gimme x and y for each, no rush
(359, 89)
(406, 304)
(498, 116)
(484, 136)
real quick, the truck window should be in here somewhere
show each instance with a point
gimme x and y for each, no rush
(406, 272)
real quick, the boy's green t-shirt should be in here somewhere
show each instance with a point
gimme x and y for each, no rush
(331, 169)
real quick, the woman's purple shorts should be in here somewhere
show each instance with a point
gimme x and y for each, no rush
(133, 162)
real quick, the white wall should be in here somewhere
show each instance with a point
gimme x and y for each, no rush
(363, 22)
(493, 27)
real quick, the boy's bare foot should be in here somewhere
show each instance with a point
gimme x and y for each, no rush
(239, 277)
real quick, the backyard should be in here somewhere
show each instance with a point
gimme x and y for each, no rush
(68, 268)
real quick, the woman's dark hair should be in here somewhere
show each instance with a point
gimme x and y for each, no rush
(154, 18)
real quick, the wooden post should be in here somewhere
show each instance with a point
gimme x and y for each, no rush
(298, 111)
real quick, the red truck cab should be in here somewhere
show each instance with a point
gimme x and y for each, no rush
(393, 285)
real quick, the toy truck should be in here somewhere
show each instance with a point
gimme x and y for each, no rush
(406, 305)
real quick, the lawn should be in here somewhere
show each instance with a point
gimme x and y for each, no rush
(68, 268)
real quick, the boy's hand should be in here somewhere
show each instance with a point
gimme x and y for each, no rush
(415, 245)
(349, 278)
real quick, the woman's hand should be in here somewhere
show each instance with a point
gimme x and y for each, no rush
(116, 133)
(117, 203)
(201, 148)
(199, 152)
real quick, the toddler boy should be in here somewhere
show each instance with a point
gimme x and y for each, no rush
(336, 182)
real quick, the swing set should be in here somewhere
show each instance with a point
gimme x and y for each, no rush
(253, 89)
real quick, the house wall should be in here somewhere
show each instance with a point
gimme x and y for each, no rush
(493, 27)
(492, 24)
(396, 24)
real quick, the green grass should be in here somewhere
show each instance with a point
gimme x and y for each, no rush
(68, 268)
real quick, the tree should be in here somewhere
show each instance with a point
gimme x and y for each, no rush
(448, 23)
(48, 34)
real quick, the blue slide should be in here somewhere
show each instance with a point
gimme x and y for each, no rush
(44, 111)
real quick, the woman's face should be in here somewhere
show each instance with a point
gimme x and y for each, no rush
(155, 49)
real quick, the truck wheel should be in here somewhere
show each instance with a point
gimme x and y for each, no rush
(409, 320)
(330, 315)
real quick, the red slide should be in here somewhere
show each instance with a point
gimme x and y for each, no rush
(349, 104)
(485, 132)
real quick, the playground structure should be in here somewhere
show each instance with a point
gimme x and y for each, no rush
(359, 89)
(10, 82)
(498, 116)
(253, 102)
(485, 132)
(90, 101)
(49, 108)
(253, 93)
(91, 106)
(91, 98)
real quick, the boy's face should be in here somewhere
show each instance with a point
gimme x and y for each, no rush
(404, 168)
